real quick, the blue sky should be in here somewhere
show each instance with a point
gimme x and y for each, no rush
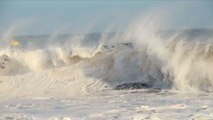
(49, 15)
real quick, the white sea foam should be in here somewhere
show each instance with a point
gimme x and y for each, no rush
(100, 61)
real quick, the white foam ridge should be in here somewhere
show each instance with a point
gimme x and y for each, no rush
(73, 64)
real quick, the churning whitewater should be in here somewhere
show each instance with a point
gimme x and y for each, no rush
(74, 64)
(106, 60)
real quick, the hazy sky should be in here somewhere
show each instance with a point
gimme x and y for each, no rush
(48, 16)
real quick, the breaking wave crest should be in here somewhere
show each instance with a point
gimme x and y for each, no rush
(97, 62)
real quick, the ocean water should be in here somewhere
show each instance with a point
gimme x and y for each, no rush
(139, 73)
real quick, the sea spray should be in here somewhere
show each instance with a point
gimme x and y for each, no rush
(80, 63)
(179, 61)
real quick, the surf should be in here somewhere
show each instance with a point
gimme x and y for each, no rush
(143, 56)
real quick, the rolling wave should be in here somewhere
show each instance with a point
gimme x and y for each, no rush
(133, 59)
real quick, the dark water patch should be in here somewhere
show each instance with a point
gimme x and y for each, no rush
(130, 86)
